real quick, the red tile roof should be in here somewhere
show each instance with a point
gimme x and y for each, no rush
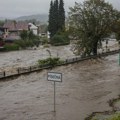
(22, 26)
(11, 25)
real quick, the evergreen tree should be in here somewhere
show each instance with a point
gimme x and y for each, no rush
(61, 16)
(51, 19)
(56, 17)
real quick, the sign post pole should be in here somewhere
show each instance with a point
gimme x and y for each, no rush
(55, 77)
(54, 98)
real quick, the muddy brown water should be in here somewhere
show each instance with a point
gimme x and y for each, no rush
(14, 59)
(87, 87)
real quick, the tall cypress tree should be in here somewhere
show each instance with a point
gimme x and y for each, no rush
(51, 19)
(56, 17)
(61, 16)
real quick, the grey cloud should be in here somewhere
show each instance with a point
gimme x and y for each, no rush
(15, 8)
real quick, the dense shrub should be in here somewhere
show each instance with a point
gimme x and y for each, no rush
(21, 43)
(28, 39)
(11, 47)
(60, 39)
(27, 43)
(36, 42)
(46, 45)
(44, 40)
(50, 62)
(116, 117)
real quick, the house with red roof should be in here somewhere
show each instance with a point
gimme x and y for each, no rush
(16, 26)
(3, 35)
(3, 32)
(14, 29)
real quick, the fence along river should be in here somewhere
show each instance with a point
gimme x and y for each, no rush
(25, 70)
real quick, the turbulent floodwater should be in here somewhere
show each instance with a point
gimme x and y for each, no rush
(22, 58)
(10, 60)
(87, 87)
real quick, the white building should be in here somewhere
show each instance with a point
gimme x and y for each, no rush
(33, 28)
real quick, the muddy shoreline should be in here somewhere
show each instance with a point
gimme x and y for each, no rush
(111, 103)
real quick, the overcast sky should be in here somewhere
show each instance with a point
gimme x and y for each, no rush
(16, 8)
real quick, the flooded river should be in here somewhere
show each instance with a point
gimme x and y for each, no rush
(22, 58)
(87, 87)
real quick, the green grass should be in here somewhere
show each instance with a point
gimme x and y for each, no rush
(115, 117)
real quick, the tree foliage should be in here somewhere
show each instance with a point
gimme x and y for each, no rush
(51, 19)
(56, 17)
(27, 35)
(61, 16)
(28, 39)
(2, 22)
(60, 39)
(24, 35)
(116, 30)
(50, 62)
(91, 22)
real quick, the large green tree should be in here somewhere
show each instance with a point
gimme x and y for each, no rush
(56, 17)
(116, 30)
(91, 22)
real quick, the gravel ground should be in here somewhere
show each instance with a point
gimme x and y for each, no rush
(87, 87)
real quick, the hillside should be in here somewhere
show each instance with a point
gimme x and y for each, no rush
(43, 18)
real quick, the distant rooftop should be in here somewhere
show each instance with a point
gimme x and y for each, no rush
(12, 25)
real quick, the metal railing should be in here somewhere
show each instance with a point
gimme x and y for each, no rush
(25, 70)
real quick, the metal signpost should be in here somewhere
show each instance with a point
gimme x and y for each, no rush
(55, 77)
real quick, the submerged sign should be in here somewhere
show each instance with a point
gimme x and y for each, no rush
(53, 76)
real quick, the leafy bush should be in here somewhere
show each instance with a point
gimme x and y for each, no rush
(27, 43)
(21, 43)
(11, 47)
(44, 40)
(115, 117)
(46, 45)
(28, 39)
(60, 39)
(50, 62)
(36, 42)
